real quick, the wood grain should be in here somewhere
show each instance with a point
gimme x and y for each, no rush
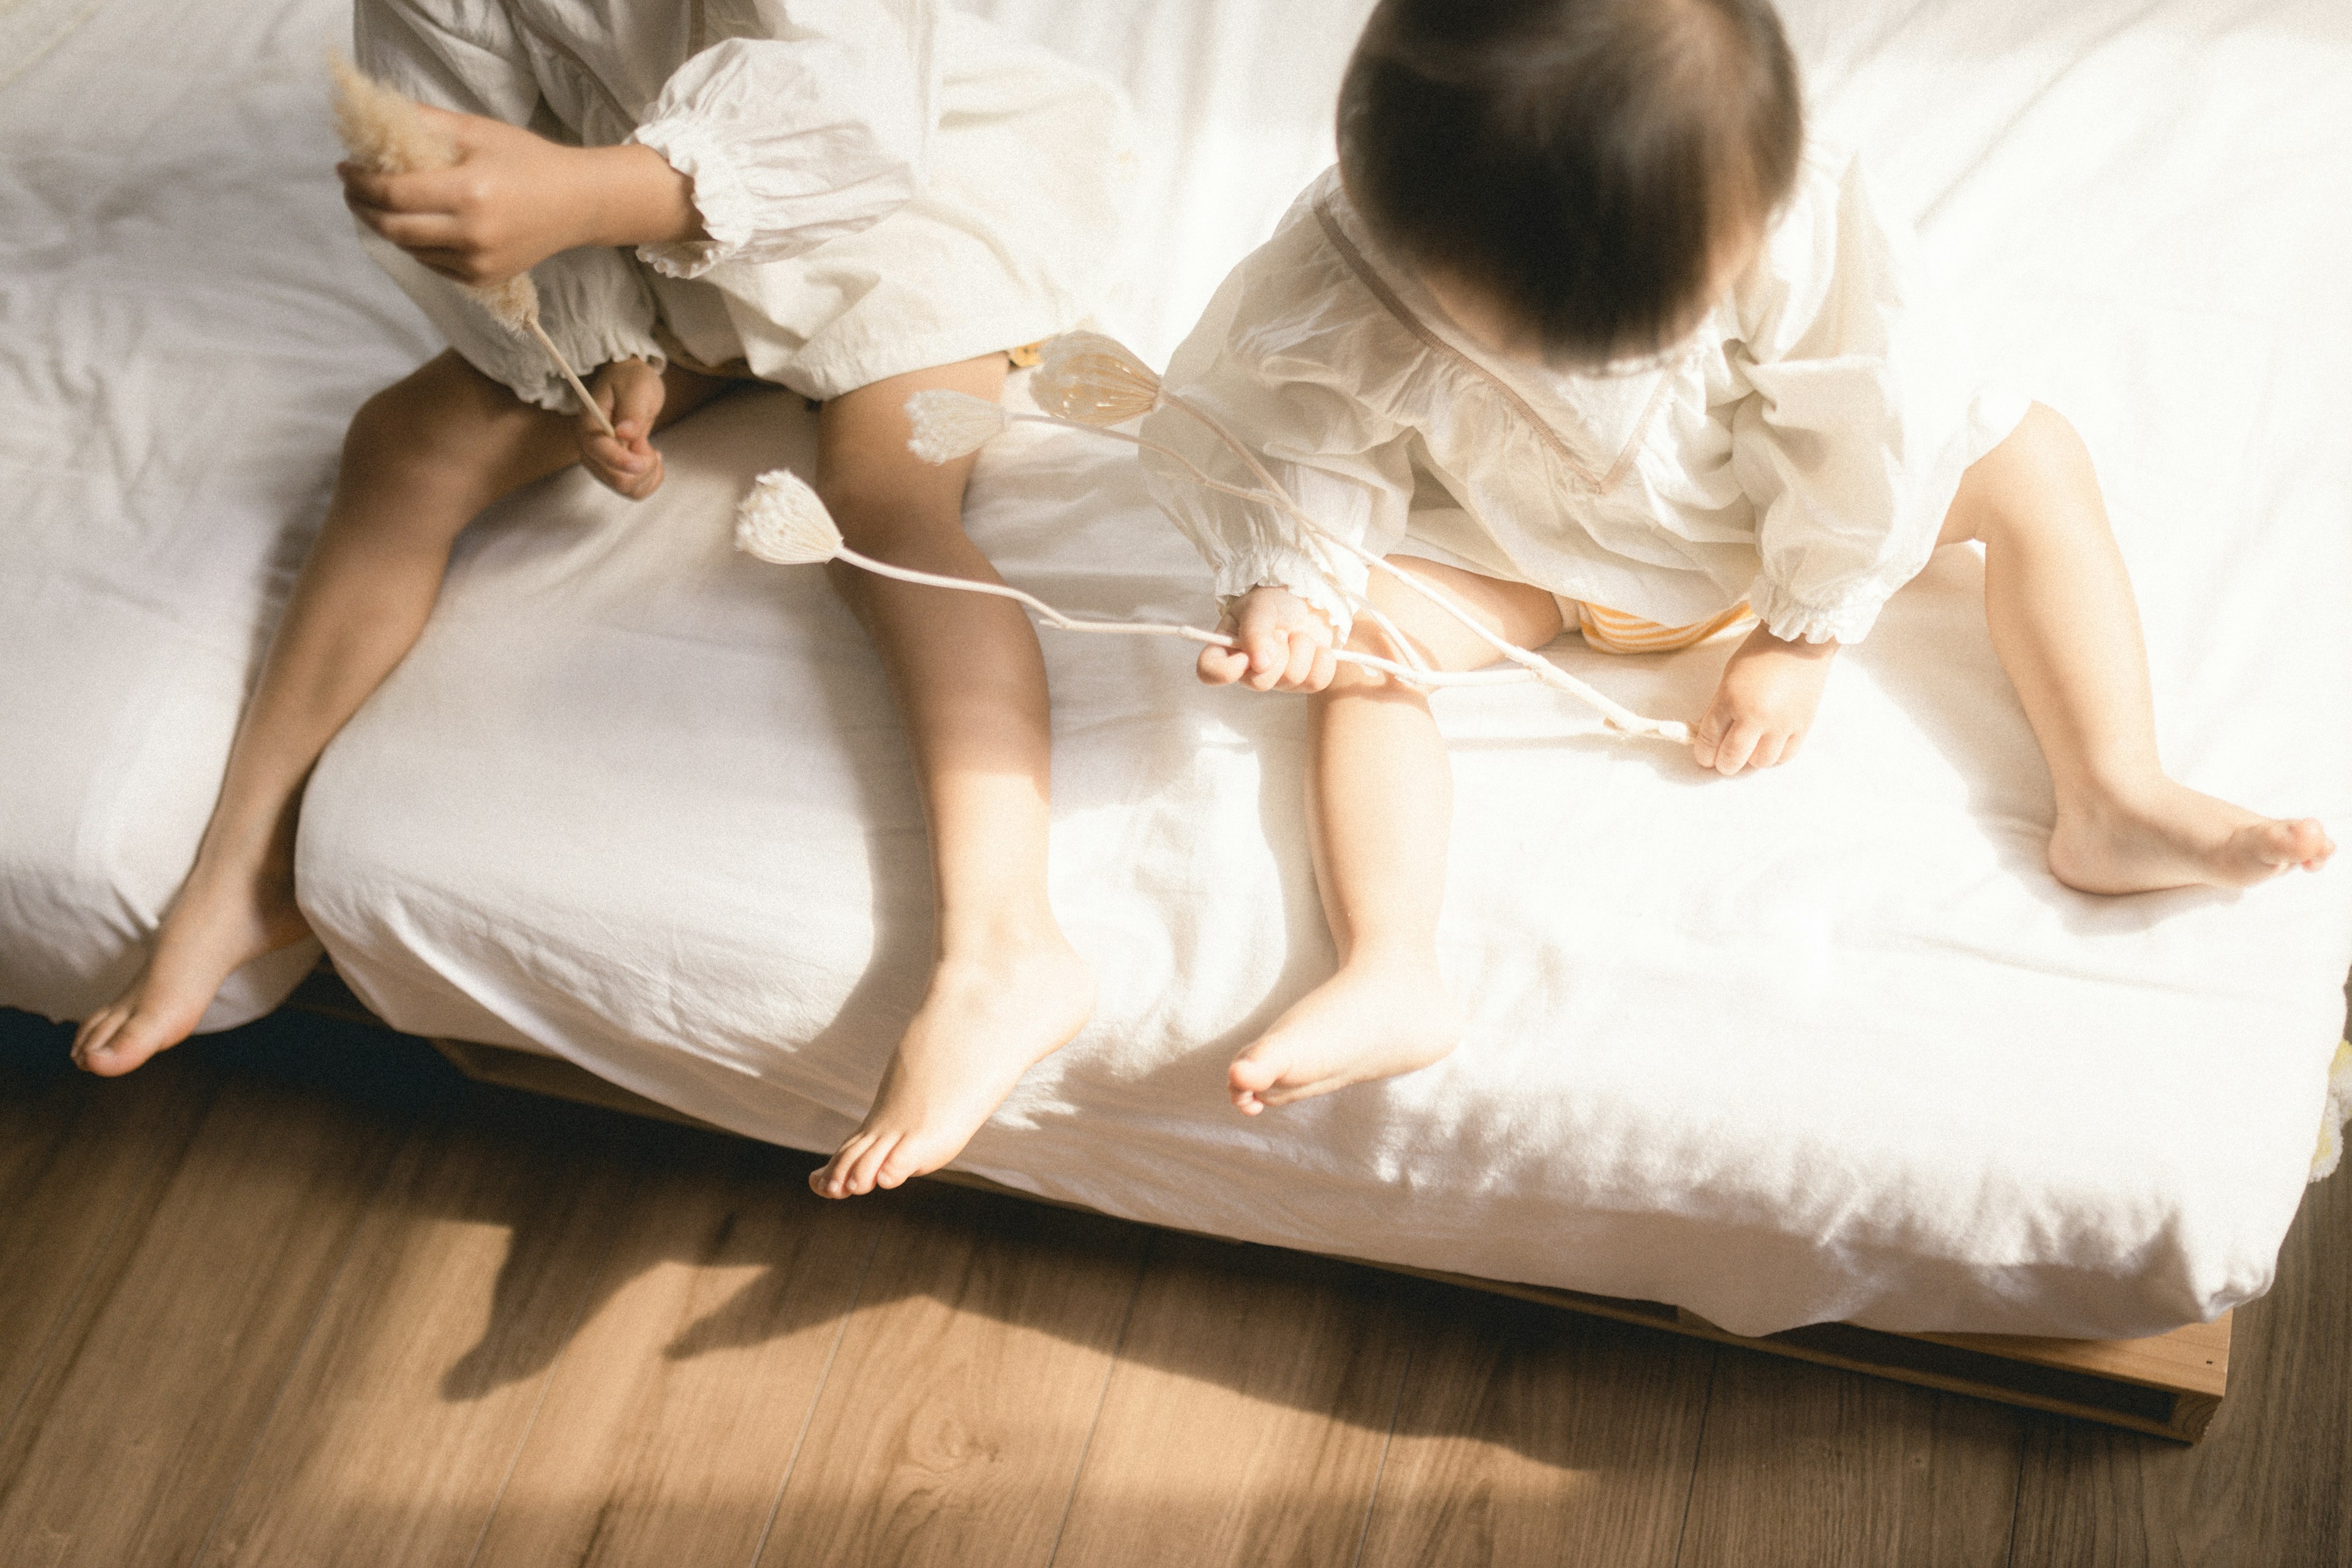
(2266, 1488)
(1245, 1421)
(672, 1421)
(403, 1417)
(77, 1157)
(2102, 1380)
(139, 1420)
(1806, 1467)
(950, 1428)
(1525, 1435)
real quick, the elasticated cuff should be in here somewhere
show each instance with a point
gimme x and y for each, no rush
(719, 198)
(1842, 621)
(1282, 567)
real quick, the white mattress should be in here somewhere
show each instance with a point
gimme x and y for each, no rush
(186, 326)
(1826, 1043)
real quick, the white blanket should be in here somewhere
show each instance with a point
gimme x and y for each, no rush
(1825, 1043)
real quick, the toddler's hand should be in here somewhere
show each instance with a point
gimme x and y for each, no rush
(630, 392)
(513, 199)
(1764, 704)
(1284, 645)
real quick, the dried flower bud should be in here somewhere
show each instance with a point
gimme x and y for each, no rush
(951, 425)
(1094, 380)
(782, 521)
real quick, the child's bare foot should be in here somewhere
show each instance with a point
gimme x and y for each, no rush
(981, 1027)
(2178, 839)
(219, 923)
(1372, 1020)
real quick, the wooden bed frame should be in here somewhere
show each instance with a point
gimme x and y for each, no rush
(2169, 1386)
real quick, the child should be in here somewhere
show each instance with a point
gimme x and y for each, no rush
(1580, 332)
(857, 199)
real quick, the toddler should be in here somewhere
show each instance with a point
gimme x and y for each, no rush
(1581, 331)
(857, 199)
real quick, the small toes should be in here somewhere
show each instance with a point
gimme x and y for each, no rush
(897, 1168)
(868, 1164)
(122, 1049)
(831, 1180)
(1250, 1073)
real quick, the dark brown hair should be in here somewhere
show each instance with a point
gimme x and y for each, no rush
(1579, 161)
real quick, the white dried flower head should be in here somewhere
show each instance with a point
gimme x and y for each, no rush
(782, 521)
(951, 425)
(1094, 380)
(381, 129)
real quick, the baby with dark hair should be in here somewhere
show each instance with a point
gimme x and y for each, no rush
(1585, 332)
(1586, 167)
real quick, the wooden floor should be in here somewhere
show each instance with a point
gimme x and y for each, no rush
(302, 1296)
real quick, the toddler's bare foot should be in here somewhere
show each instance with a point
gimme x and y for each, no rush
(982, 1025)
(1374, 1018)
(2176, 837)
(219, 923)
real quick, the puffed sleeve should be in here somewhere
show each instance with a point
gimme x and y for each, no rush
(817, 127)
(592, 304)
(1275, 361)
(1861, 417)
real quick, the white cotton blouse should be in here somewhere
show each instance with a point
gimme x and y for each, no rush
(887, 184)
(1799, 452)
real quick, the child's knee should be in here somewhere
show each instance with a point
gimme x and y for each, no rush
(879, 514)
(2040, 464)
(435, 433)
(2049, 445)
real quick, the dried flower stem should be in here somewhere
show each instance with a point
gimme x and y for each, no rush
(1535, 666)
(1066, 622)
(588, 405)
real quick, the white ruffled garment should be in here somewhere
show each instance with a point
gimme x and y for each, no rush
(885, 185)
(1799, 451)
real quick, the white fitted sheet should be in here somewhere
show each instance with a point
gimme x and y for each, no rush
(186, 326)
(1826, 1043)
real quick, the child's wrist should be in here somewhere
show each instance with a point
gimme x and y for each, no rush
(638, 198)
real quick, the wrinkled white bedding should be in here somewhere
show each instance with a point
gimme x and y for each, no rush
(1826, 1043)
(186, 326)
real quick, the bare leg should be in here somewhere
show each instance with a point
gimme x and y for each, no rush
(1379, 802)
(1006, 987)
(422, 457)
(2063, 623)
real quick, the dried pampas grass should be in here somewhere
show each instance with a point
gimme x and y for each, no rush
(383, 133)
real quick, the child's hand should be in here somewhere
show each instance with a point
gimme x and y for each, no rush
(1764, 704)
(630, 392)
(513, 199)
(1284, 645)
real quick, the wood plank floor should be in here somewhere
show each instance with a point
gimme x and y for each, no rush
(300, 1295)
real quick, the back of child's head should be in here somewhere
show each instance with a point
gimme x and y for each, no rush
(1583, 163)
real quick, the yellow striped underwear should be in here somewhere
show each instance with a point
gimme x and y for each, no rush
(1615, 631)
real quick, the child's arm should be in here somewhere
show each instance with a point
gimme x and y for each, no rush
(514, 199)
(1764, 703)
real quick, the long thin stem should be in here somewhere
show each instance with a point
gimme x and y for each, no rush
(587, 403)
(1061, 622)
(1538, 667)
